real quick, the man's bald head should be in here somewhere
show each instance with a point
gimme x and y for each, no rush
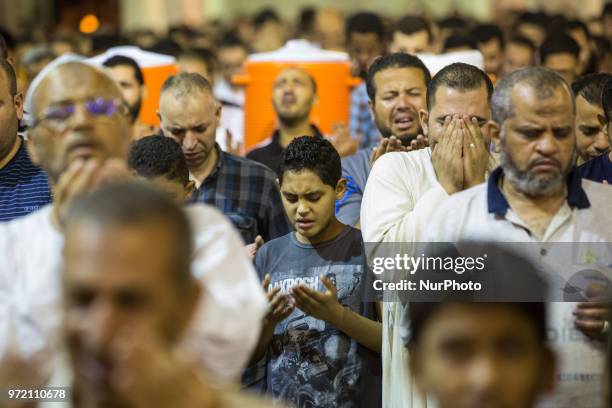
(70, 75)
(78, 113)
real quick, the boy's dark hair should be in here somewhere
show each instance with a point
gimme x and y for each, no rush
(459, 40)
(590, 87)
(522, 40)
(364, 22)
(536, 18)
(395, 60)
(201, 54)
(122, 60)
(412, 24)
(486, 32)
(156, 156)
(312, 153)
(460, 76)
(558, 43)
(606, 100)
(166, 46)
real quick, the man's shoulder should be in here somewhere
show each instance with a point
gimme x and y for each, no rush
(253, 168)
(35, 222)
(201, 213)
(407, 163)
(277, 244)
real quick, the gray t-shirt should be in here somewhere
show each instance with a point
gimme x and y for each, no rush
(309, 362)
(355, 169)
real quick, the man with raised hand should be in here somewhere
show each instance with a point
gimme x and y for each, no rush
(80, 137)
(538, 197)
(404, 188)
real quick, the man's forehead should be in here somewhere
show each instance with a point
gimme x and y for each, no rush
(292, 73)
(452, 101)
(395, 76)
(526, 99)
(73, 82)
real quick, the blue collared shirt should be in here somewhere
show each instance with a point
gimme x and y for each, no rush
(247, 193)
(24, 187)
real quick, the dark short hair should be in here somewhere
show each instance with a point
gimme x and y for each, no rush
(312, 153)
(574, 24)
(201, 54)
(264, 16)
(136, 204)
(590, 87)
(166, 46)
(121, 61)
(536, 18)
(412, 24)
(460, 40)
(158, 156)
(486, 32)
(394, 60)
(231, 40)
(11, 78)
(453, 23)
(558, 43)
(606, 100)
(523, 41)
(460, 76)
(364, 22)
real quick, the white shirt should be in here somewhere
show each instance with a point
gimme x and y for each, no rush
(400, 196)
(468, 215)
(228, 320)
(402, 188)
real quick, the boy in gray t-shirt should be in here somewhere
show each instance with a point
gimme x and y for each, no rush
(319, 338)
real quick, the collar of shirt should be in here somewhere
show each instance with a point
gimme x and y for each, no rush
(276, 135)
(215, 173)
(497, 203)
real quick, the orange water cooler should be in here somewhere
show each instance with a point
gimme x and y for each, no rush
(156, 68)
(330, 69)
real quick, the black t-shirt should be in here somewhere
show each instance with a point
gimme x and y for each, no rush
(270, 154)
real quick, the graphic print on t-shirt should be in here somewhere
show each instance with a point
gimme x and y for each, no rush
(323, 364)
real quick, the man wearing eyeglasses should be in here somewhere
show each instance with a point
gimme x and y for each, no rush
(80, 134)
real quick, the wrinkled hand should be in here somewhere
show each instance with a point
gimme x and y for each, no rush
(83, 177)
(446, 156)
(475, 153)
(17, 372)
(343, 142)
(281, 306)
(321, 305)
(252, 248)
(590, 317)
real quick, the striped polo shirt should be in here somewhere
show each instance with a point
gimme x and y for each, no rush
(24, 187)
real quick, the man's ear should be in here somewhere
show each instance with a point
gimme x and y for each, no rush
(18, 102)
(495, 133)
(190, 187)
(423, 118)
(371, 106)
(341, 188)
(218, 108)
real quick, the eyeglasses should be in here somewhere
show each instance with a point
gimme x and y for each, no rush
(97, 107)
